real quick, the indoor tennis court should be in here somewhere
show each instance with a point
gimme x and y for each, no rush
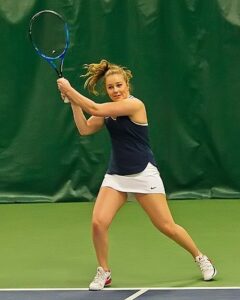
(48, 246)
(184, 56)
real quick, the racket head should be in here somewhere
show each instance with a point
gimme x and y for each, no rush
(49, 34)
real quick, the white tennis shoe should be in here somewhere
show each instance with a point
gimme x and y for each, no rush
(101, 280)
(206, 267)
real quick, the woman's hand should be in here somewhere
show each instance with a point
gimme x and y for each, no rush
(63, 85)
(63, 96)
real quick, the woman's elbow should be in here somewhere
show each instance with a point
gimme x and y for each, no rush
(83, 132)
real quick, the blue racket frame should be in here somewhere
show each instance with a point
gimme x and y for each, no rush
(49, 59)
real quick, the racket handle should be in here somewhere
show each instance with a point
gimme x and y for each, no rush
(66, 100)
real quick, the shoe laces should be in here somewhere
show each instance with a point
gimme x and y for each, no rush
(101, 275)
(205, 264)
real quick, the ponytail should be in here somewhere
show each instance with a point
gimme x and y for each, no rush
(98, 72)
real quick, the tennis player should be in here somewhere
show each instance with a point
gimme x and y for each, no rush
(132, 167)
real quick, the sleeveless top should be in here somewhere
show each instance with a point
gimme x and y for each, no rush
(131, 151)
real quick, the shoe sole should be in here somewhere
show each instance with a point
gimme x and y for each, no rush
(107, 284)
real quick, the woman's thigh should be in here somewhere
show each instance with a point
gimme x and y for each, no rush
(156, 206)
(108, 202)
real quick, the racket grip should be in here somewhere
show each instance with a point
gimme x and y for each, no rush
(66, 100)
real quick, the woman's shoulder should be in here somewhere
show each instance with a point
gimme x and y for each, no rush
(136, 99)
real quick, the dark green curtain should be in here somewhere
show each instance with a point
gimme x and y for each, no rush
(184, 55)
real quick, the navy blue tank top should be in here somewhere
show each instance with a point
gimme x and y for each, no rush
(131, 151)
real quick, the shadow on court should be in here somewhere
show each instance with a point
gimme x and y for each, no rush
(151, 294)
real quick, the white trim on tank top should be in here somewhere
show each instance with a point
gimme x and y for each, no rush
(140, 124)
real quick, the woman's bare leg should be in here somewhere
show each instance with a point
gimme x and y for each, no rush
(108, 202)
(156, 207)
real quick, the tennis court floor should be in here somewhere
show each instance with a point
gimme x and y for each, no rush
(232, 293)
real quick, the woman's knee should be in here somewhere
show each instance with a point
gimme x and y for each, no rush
(169, 229)
(99, 224)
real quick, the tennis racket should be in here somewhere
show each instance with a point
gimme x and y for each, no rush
(49, 34)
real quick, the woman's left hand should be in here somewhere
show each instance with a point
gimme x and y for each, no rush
(63, 85)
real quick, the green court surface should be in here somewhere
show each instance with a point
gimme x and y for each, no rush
(49, 245)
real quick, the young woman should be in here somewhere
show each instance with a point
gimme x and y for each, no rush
(132, 167)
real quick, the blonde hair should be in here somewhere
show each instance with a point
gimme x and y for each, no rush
(97, 72)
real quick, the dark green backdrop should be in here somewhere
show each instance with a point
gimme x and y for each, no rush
(184, 55)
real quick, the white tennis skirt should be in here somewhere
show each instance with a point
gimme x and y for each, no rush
(147, 182)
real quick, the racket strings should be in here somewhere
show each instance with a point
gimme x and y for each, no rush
(48, 35)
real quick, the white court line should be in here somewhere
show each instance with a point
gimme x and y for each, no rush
(135, 295)
(120, 289)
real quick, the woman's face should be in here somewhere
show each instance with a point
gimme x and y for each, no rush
(116, 87)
